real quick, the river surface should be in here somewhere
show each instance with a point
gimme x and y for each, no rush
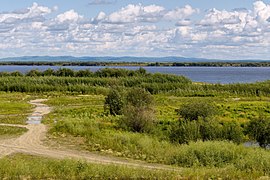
(222, 75)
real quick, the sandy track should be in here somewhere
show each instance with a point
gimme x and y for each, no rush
(31, 143)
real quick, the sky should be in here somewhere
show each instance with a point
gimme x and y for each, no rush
(200, 29)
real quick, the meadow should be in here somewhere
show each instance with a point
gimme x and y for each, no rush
(79, 120)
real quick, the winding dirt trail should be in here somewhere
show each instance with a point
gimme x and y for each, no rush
(31, 143)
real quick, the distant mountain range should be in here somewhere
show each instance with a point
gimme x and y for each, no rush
(115, 59)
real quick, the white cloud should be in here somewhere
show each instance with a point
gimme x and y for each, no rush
(183, 22)
(139, 30)
(180, 13)
(70, 15)
(139, 13)
(99, 2)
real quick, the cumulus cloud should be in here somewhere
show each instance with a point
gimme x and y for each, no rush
(139, 13)
(99, 2)
(180, 13)
(70, 15)
(137, 29)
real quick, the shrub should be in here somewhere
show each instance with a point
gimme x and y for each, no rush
(206, 130)
(195, 109)
(139, 98)
(138, 119)
(138, 113)
(33, 73)
(259, 130)
(114, 102)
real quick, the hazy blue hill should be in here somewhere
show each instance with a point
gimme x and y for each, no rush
(116, 59)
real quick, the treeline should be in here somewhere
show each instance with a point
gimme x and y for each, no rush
(72, 63)
(65, 72)
(85, 81)
(170, 64)
(223, 64)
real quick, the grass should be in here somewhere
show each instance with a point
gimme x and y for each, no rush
(20, 166)
(14, 108)
(13, 119)
(80, 121)
(6, 131)
(230, 108)
(33, 167)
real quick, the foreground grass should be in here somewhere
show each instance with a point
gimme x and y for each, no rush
(6, 131)
(33, 167)
(21, 166)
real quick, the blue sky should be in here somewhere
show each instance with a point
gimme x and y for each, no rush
(203, 29)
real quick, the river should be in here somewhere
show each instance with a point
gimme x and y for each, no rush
(222, 75)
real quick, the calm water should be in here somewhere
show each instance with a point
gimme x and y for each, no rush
(222, 75)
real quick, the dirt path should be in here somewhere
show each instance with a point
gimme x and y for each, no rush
(31, 143)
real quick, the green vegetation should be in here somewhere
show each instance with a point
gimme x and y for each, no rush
(82, 118)
(6, 131)
(206, 130)
(138, 113)
(259, 130)
(32, 167)
(197, 109)
(156, 118)
(114, 102)
(14, 108)
(86, 82)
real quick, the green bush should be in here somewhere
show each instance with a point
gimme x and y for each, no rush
(137, 119)
(222, 154)
(207, 129)
(138, 97)
(138, 113)
(195, 109)
(259, 130)
(114, 102)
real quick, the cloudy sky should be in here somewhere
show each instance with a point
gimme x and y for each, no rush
(196, 28)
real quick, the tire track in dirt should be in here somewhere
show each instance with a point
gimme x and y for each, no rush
(31, 143)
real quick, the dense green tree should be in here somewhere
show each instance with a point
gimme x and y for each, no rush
(65, 72)
(138, 113)
(34, 72)
(48, 72)
(139, 98)
(16, 73)
(114, 102)
(84, 73)
(138, 119)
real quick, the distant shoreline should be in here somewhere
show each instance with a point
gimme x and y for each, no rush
(158, 64)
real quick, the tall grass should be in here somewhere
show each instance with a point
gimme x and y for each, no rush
(6, 131)
(21, 166)
(33, 167)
